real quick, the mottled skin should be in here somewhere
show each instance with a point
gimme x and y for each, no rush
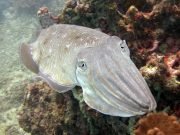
(55, 51)
(69, 55)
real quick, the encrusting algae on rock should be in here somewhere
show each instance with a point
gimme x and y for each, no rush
(151, 29)
(46, 112)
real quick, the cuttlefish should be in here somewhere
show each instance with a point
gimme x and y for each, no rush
(66, 56)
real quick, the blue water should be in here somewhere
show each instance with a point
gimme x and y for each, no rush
(18, 24)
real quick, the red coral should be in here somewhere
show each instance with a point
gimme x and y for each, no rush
(157, 124)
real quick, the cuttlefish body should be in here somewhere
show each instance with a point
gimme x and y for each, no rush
(69, 55)
(53, 55)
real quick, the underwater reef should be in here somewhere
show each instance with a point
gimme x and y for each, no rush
(46, 112)
(151, 30)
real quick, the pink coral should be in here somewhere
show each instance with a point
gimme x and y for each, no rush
(172, 62)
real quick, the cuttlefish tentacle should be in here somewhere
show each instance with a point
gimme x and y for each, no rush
(114, 81)
(129, 69)
(109, 96)
(131, 78)
(112, 77)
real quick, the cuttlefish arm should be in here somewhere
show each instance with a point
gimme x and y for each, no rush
(27, 60)
(111, 82)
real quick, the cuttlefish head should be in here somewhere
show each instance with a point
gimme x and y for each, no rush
(111, 82)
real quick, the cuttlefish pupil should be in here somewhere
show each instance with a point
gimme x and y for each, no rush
(82, 65)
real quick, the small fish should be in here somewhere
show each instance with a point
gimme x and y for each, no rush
(69, 55)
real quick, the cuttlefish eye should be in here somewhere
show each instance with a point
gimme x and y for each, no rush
(123, 46)
(82, 65)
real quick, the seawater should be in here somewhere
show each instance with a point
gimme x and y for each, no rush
(18, 24)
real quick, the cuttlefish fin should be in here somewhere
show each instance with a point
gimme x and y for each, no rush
(112, 84)
(27, 60)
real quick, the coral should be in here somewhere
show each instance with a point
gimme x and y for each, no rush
(172, 63)
(91, 13)
(147, 32)
(46, 18)
(163, 69)
(134, 17)
(152, 69)
(172, 81)
(46, 112)
(154, 46)
(157, 124)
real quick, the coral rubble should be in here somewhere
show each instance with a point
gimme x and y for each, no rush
(158, 124)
